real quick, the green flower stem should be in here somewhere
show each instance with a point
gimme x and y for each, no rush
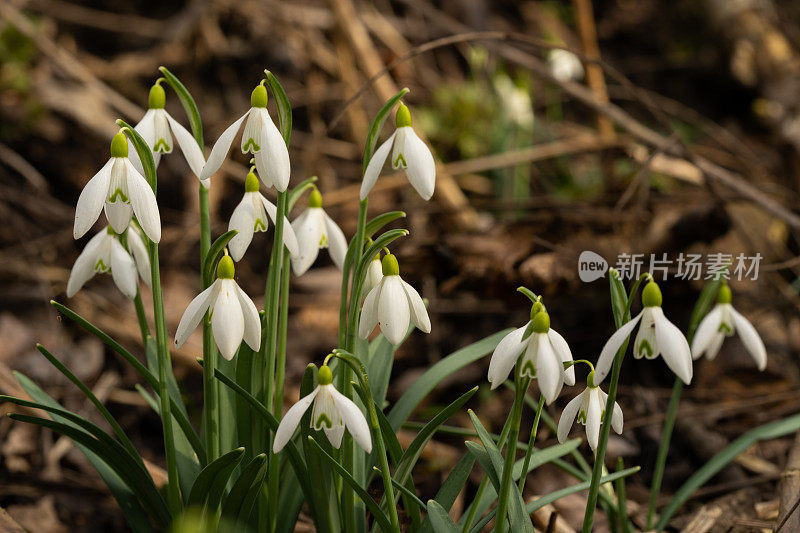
(210, 387)
(140, 315)
(663, 449)
(529, 451)
(511, 452)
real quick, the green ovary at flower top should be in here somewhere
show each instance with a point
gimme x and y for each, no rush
(122, 191)
(233, 315)
(409, 153)
(545, 349)
(723, 321)
(157, 128)
(105, 253)
(315, 230)
(656, 336)
(393, 304)
(332, 412)
(260, 138)
(250, 217)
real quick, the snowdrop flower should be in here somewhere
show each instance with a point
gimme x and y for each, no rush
(332, 413)
(590, 409)
(657, 336)
(723, 321)
(157, 128)
(374, 274)
(250, 216)
(105, 253)
(393, 304)
(123, 192)
(260, 138)
(564, 65)
(408, 152)
(233, 315)
(546, 351)
(315, 230)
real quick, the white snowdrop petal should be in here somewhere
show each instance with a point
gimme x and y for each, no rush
(272, 160)
(353, 419)
(375, 165)
(369, 313)
(335, 435)
(143, 202)
(706, 331)
(243, 221)
(220, 149)
(568, 417)
(419, 314)
(252, 323)
(594, 416)
(564, 353)
(337, 244)
(673, 346)
(505, 355)
(123, 269)
(194, 313)
(616, 419)
(291, 420)
(308, 228)
(549, 370)
(83, 269)
(227, 319)
(91, 200)
(421, 169)
(191, 150)
(750, 338)
(393, 312)
(140, 255)
(606, 359)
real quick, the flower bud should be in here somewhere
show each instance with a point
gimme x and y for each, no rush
(403, 117)
(225, 268)
(157, 97)
(251, 183)
(724, 295)
(315, 199)
(390, 266)
(258, 98)
(651, 295)
(325, 376)
(541, 322)
(119, 145)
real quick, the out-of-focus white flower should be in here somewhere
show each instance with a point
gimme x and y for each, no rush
(332, 413)
(546, 351)
(123, 192)
(250, 217)
(157, 128)
(233, 316)
(261, 138)
(393, 304)
(104, 253)
(564, 65)
(516, 102)
(374, 275)
(589, 407)
(723, 321)
(657, 336)
(315, 230)
(408, 152)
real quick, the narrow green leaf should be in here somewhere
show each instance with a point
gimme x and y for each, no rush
(406, 493)
(214, 255)
(210, 483)
(380, 221)
(619, 298)
(188, 104)
(298, 191)
(239, 502)
(440, 519)
(451, 488)
(377, 124)
(284, 107)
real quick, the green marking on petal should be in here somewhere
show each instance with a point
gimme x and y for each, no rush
(528, 369)
(323, 241)
(582, 417)
(100, 266)
(323, 422)
(161, 146)
(251, 146)
(725, 328)
(118, 195)
(644, 346)
(259, 225)
(400, 161)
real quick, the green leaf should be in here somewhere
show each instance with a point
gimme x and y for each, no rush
(238, 505)
(284, 107)
(210, 483)
(188, 104)
(773, 430)
(619, 298)
(376, 511)
(377, 124)
(451, 488)
(440, 519)
(214, 255)
(380, 221)
(298, 191)
(290, 501)
(430, 379)
(406, 494)
(380, 360)
(144, 152)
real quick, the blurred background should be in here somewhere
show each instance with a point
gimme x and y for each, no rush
(683, 138)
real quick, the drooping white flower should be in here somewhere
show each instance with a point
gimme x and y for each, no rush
(564, 65)
(656, 336)
(590, 408)
(393, 304)
(546, 351)
(332, 413)
(123, 192)
(261, 138)
(374, 275)
(233, 316)
(157, 128)
(723, 321)
(104, 253)
(315, 230)
(408, 152)
(250, 217)
(516, 101)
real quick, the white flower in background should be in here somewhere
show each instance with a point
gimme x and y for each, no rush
(408, 152)
(374, 275)
(104, 253)
(657, 336)
(315, 230)
(723, 321)
(233, 316)
(123, 192)
(564, 65)
(546, 351)
(157, 128)
(516, 101)
(590, 409)
(250, 217)
(261, 138)
(393, 304)
(332, 413)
